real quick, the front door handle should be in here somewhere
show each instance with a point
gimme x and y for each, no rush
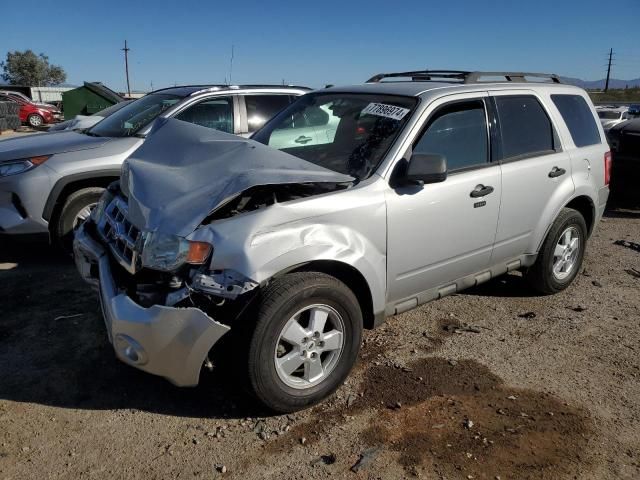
(556, 172)
(481, 191)
(302, 139)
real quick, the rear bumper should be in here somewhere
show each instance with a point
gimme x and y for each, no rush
(603, 196)
(165, 341)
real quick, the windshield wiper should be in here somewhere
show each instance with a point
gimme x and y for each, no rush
(91, 134)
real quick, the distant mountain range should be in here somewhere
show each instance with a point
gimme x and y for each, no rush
(587, 84)
(599, 84)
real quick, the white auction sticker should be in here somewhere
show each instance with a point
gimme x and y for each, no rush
(383, 110)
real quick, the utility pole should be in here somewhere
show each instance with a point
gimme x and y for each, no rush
(606, 85)
(126, 66)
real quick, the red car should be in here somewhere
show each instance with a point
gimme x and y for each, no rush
(33, 114)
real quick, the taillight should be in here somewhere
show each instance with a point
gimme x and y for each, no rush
(607, 168)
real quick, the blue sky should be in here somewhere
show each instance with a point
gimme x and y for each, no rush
(318, 42)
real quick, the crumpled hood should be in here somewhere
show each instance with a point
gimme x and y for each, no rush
(47, 144)
(184, 171)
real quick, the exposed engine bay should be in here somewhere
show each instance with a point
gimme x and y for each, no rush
(262, 196)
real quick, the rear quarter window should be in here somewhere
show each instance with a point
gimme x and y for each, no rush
(525, 128)
(580, 121)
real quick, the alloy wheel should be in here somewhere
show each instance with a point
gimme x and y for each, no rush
(82, 215)
(35, 120)
(309, 346)
(566, 252)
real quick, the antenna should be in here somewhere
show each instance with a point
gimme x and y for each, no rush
(231, 63)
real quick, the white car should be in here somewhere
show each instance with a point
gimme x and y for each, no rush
(611, 116)
(313, 126)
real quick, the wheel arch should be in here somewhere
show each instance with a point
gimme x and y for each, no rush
(584, 204)
(72, 183)
(351, 277)
(581, 203)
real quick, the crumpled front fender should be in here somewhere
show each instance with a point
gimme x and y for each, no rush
(347, 226)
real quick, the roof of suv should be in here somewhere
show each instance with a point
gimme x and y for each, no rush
(430, 81)
(416, 89)
(188, 90)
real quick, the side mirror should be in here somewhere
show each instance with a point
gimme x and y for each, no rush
(427, 168)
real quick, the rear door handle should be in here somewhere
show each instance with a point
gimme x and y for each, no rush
(302, 139)
(481, 191)
(556, 172)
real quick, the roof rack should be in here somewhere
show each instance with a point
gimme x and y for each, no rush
(212, 87)
(462, 76)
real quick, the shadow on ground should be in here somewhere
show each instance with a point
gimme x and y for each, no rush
(54, 349)
(511, 285)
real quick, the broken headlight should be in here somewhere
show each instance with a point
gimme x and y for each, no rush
(167, 252)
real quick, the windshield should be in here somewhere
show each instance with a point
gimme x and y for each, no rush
(105, 112)
(344, 132)
(19, 95)
(609, 115)
(127, 121)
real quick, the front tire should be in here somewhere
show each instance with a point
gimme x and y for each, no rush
(303, 340)
(35, 120)
(561, 254)
(75, 210)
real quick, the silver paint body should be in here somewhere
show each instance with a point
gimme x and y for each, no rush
(413, 244)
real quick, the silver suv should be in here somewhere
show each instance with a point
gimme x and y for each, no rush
(424, 188)
(75, 166)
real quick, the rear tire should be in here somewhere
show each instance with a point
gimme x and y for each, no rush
(331, 307)
(75, 210)
(558, 261)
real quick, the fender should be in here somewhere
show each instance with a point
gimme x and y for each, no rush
(373, 273)
(265, 243)
(60, 185)
(561, 197)
(578, 193)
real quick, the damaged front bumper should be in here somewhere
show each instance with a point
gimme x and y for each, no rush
(165, 341)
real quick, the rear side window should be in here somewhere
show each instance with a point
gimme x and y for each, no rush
(261, 108)
(216, 113)
(459, 132)
(524, 125)
(579, 119)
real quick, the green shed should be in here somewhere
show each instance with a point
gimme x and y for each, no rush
(88, 99)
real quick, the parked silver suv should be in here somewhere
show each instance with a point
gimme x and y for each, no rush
(74, 167)
(424, 188)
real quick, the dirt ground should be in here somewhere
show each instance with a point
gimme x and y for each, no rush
(20, 132)
(493, 383)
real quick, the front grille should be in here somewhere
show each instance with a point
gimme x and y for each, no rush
(123, 238)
